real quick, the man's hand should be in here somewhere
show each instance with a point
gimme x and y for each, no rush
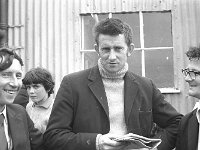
(106, 142)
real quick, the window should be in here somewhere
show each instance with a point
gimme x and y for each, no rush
(153, 54)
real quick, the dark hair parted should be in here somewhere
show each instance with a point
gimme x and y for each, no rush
(193, 53)
(113, 26)
(6, 58)
(40, 76)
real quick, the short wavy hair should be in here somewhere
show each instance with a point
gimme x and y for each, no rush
(113, 26)
(193, 53)
(40, 76)
(6, 58)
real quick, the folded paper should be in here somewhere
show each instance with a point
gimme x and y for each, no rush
(135, 141)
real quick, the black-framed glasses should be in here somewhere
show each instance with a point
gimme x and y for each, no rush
(191, 73)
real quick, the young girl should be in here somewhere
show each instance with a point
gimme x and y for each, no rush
(39, 85)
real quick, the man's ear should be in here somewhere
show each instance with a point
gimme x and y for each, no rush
(130, 49)
(96, 47)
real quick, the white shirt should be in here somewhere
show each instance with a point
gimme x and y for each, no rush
(8, 137)
(196, 105)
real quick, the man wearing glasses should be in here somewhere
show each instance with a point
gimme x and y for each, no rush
(189, 135)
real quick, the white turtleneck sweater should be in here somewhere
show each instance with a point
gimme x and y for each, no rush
(114, 88)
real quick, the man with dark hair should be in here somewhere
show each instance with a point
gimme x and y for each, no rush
(17, 130)
(189, 135)
(95, 106)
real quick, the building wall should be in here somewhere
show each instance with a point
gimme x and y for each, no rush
(47, 33)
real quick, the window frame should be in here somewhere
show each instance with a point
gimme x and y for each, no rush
(172, 90)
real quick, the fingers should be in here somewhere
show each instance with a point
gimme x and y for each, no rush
(106, 143)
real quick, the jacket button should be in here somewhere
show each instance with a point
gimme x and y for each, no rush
(88, 142)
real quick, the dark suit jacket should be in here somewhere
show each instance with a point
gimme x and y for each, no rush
(80, 111)
(21, 128)
(187, 138)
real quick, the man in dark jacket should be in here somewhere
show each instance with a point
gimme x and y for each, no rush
(188, 135)
(17, 130)
(97, 105)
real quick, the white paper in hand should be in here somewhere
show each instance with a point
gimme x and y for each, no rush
(135, 141)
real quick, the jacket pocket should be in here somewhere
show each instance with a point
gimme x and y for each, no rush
(146, 122)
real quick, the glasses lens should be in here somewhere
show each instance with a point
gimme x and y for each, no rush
(192, 74)
(187, 72)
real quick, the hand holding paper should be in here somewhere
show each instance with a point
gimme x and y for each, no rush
(135, 141)
(106, 142)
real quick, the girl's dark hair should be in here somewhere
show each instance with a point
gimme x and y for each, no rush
(40, 76)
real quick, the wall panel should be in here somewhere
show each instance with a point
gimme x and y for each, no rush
(43, 31)
(47, 33)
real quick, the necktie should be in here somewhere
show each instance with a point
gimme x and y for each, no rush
(3, 141)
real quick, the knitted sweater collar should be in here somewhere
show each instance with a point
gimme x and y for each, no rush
(116, 75)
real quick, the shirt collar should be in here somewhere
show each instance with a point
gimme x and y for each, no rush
(198, 111)
(4, 113)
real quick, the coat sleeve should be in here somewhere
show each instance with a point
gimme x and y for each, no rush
(59, 134)
(166, 117)
(178, 141)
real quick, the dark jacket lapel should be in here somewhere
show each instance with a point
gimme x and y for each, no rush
(193, 128)
(97, 88)
(16, 128)
(130, 93)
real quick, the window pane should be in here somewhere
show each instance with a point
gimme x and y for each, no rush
(89, 23)
(133, 20)
(159, 67)
(157, 29)
(157, 33)
(90, 59)
(135, 64)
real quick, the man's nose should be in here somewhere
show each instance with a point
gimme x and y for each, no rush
(14, 81)
(112, 54)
